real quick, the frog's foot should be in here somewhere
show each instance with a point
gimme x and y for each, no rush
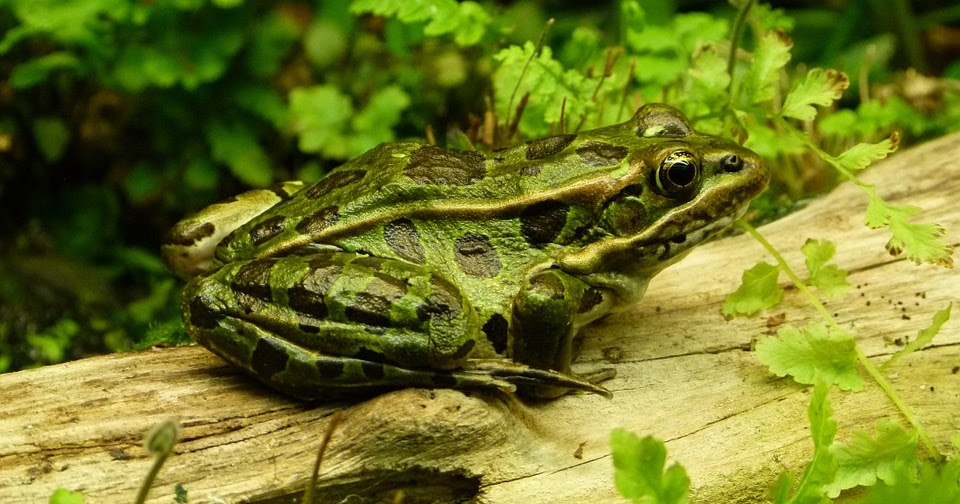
(538, 382)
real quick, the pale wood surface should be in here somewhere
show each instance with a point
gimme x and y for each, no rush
(685, 376)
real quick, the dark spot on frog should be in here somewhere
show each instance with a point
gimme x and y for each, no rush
(369, 310)
(269, 358)
(374, 263)
(592, 297)
(476, 256)
(329, 366)
(542, 222)
(601, 154)
(545, 147)
(680, 238)
(202, 315)
(402, 236)
(435, 165)
(443, 380)
(307, 297)
(308, 328)
(660, 121)
(495, 330)
(187, 233)
(443, 303)
(463, 351)
(531, 170)
(251, 284)
(335, 180)
(625, 215)
(267, 229)
(280, 190)
(316, 222)
(372, 370)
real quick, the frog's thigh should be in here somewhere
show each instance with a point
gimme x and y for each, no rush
(334, 304)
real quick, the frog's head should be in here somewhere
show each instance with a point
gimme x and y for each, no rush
(681, 187)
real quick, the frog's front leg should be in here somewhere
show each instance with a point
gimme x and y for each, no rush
(333, 324)
(547, 314)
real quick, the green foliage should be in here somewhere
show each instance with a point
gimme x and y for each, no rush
(759, 289)
(639, 470)
(822, 467)
(924, 337)
(887, 456)
(64, 496)
(810, 354)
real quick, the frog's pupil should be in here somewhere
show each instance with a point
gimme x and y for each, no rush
(682, 173)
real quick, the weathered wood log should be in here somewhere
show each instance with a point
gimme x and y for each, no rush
(685, 376)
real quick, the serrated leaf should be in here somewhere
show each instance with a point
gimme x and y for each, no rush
(639, 470)
(466, 20)
(924, 336)
(935, 484)
(319, 116)
(822, 468)
(771, 55)
(865, 459)
(863, 155)
(828, 278)
(819, 87)
(921, 242)
(758, 290)
(880, 213)
(810, 353)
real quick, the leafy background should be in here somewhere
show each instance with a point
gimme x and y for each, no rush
(119, 117)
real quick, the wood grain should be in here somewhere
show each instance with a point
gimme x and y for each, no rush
(685, 376)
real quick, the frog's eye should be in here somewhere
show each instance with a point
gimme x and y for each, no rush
(677, 175)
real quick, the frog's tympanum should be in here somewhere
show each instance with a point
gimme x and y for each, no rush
(418, 266)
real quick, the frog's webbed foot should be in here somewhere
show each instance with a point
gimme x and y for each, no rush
(537, 382)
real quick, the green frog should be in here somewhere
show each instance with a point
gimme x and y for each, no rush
(419, 266)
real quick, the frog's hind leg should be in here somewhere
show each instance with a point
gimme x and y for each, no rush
(310, 375)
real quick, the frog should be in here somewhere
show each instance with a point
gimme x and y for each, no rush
(419, 266)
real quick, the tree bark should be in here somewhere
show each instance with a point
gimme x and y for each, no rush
(685, 375)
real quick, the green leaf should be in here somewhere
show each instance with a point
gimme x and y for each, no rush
(52, 136)
(822, 468)
(933, 485)
(639, 470)
(810, 353)
(863, 155)
(864, 459)
(924, 336)
(466, 20)
(820, 87)
(758, 290)
(921, 242)
(545, 79)
(320, 115)
(771, 55)
(828, 278)
(64, 496)
(35, 71)
(235, 145)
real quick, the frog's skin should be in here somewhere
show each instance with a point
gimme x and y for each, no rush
(415, 265)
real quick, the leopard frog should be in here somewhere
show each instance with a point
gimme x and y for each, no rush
(419, 266)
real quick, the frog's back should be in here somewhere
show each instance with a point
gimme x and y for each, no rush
(410, 180)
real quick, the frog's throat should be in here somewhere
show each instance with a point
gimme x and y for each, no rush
(658, 245)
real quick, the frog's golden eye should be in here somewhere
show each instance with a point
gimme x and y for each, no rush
(677, 175)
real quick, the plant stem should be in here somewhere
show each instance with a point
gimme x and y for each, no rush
(861, 357)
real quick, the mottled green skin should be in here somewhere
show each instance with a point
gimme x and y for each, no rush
(414, 265)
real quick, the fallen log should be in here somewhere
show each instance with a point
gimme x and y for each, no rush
(685, 375)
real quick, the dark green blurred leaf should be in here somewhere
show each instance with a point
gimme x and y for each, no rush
(33, 72)
(235, 145)
(51, 135)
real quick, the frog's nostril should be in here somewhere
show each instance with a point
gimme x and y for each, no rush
(731, 163)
